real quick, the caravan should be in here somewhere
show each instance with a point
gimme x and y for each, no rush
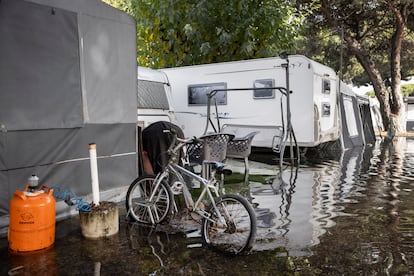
(313, 101)
(154, 97)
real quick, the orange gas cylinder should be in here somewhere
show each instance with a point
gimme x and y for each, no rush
(32, 220)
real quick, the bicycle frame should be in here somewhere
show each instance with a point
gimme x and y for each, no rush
(209, 187)
(178, 171)
(229, 224)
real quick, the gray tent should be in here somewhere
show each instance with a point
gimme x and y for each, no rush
(67, 79)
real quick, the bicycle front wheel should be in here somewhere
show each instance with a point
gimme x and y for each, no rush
(233, 228)
(148, 202)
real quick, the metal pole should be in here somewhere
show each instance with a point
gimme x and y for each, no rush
(290, 133)
(289, 115)
(94, 173)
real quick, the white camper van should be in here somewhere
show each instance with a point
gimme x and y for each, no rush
(313, 100)
(154, 97)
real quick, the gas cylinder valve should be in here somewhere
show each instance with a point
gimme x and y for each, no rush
(33, 182)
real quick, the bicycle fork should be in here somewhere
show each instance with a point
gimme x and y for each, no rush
(222, 219)
(154, 197)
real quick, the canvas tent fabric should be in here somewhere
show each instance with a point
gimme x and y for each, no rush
(357, 127)
(365, 109)
(67, 79)
(83, 57)
(23, 24)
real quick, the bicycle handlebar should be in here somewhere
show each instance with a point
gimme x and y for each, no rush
(178, 143)
(187, 140)
(182, 140)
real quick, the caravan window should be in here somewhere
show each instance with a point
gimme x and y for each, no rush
(326, 86)
(197, 94)
(326, 109)
(263, 93)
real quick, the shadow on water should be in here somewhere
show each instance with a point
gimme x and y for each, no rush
(352, 214)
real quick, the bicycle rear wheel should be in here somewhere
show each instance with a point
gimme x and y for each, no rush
(141, 207)
(236, 234)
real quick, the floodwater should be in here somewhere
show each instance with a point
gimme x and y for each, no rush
(345, 214)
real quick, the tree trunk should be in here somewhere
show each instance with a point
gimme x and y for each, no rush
(391, 102)
(375, 76)
(392, 106)
(396, 99)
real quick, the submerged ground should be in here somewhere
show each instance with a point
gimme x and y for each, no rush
(346, 214)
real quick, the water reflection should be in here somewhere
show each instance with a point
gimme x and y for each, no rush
(298, 205)
(357, 209)
(142, 237)
(377, 233)
(395, 159)
(38, 263)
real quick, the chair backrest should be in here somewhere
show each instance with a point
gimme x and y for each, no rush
(211, 147)
(241, 147)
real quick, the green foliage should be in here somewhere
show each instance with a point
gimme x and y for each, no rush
(370, 94)
(405, 90)
(119, 4)
(188, 32)
(371, 23)
(326, 48)
(236, 178)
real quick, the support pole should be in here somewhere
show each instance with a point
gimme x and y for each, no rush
(94, 174)
(290, 134)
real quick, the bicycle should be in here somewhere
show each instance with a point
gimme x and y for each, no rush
(228, 224)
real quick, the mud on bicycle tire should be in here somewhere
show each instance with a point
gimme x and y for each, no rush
(137, 205)
(236, 241)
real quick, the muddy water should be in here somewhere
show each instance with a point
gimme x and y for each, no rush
(351, 214)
